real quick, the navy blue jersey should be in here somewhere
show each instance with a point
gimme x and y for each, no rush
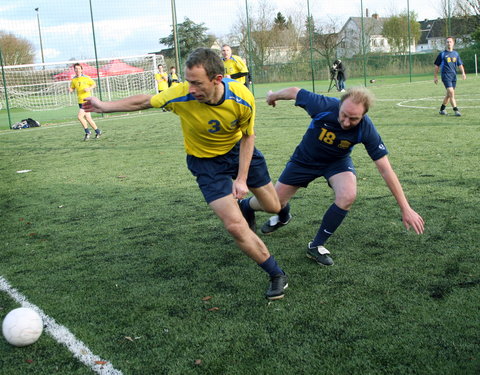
(448, 62)
(325, 140)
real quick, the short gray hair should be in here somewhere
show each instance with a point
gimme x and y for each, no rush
(359, 95)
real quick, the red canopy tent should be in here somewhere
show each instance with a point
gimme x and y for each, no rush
(118, 68)
(68, 74)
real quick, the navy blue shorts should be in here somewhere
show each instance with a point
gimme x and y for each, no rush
(297, 175)
(215, 175)
(449, 83)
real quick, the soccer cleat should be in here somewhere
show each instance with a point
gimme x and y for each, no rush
(443, 112)
(457, 113)
(276, 289)
(98, 134)
(87, 136)
(319, 254)
(273, 224)
(248, 215)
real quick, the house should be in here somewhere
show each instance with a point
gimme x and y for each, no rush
(351, 36)
(434, 32)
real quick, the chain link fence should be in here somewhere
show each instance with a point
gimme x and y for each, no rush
(294, 41)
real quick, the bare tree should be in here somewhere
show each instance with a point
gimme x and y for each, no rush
(16, 50)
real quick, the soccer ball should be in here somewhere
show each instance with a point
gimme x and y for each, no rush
(372, 81)
(22, 326)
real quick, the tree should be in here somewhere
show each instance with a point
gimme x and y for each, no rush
(280, 22)
(16, 50)
(190, 36)
(396, 30)
(325, 38)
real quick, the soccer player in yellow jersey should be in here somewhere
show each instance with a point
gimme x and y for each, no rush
(217, 117)
(235, 67)
(161, 78)
(84, 85)
(173, 78)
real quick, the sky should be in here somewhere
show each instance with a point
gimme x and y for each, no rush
(129, 28)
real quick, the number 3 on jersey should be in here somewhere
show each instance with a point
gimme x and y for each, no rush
(215, 126)
(327, 137)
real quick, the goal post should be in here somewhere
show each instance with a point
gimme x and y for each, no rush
(41, 87)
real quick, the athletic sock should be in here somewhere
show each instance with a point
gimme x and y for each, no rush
(442, 107)
(455, 109)
(271, 267)
(284, 213)
(87, 131)
(330, 222)
(98, 131)
(245, 206)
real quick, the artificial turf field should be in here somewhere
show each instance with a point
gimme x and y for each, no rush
(111, 238)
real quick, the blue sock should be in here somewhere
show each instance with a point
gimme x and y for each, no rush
(330, 222)
(245, 206)
(88, 131)
(98, 131)
(271, 267)
(284, 213)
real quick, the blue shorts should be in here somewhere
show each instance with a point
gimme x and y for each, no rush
(215, 175)
(449, 83)
(297, 175)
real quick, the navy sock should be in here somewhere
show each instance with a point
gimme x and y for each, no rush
(87, 131)
(271, 267)
(98, 131)
(330, 222)
(284, 213)
(245, 206)
(442, 107)
(455, 108)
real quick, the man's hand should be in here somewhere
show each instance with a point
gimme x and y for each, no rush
(435, 80)
(92, 104)
(271, 99)
(240, 189)
(411, 219)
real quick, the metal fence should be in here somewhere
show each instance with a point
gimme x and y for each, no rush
(281, 41)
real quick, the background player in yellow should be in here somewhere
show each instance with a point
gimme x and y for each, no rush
(161, 78)
(173, 77)
(217, 117)
(235, 67)
(84, 86)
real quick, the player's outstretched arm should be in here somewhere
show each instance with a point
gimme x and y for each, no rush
(289, 93)
(129, 104)
(409, 217)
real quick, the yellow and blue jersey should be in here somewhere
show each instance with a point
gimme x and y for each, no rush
(80, 84)
(325, 140)
(210, 130)
(162, 81)
(448, 62)
(235, 65)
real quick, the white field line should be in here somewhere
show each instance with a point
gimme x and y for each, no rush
(77, 123)
(62, 335)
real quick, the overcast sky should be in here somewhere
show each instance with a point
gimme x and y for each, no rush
(127, 28)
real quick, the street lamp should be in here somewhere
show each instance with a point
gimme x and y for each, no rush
(40, 35)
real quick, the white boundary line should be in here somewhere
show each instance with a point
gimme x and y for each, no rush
(62, 335)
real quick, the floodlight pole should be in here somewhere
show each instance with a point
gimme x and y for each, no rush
(175, 38)
(363, 46)
(310, 22)
(40, 35)
(95, 50)
(409, 44)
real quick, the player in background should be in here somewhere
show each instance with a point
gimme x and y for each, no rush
(448, 61)
(173, 77)
(217, 116)
(235, 67)
(336, 126)
(161, 78)
(84, 86)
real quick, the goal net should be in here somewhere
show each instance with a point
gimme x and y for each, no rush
(39, 87)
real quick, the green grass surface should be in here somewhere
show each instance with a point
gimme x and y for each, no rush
(113, 240)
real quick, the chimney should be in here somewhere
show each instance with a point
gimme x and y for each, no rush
(366, 12)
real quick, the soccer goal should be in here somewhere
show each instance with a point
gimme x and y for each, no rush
(39, 87)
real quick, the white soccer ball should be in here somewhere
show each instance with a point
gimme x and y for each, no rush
(22, 326)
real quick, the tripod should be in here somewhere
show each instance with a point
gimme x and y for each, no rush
(333, 78)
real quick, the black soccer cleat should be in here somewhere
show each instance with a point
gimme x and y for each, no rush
(276, 289)
(273, 224)
(319, 254)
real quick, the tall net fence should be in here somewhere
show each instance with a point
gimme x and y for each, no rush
(281, 42)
